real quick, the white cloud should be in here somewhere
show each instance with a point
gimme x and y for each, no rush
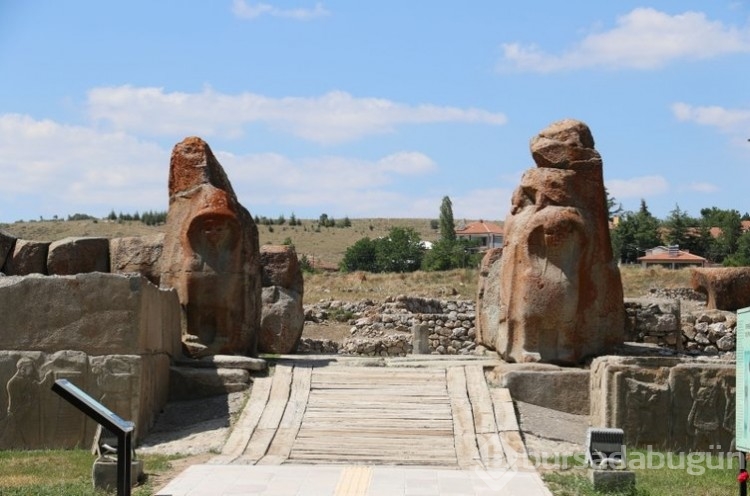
(489, 204)
(67, 169)
(700, 187)
(348, 186)
(334, 117)
(243, 10)
(643, 39)
(407, 163)
(727, 120)
(637, 187)
(78, 168)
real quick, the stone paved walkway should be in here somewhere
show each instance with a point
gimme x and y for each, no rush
(317, 429)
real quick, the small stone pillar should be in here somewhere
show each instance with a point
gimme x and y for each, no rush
(420, 339)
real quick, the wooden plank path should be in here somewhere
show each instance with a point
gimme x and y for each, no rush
(433, 416)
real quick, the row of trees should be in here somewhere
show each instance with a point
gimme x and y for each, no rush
(402, 250)
(154, 218)
(716, 235)
(150, 217)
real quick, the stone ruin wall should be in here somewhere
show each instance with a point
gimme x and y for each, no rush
(386, 329)
(694, 398)
(112, 335)
(679, 321)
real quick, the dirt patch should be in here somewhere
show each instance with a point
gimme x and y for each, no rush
(335, 331)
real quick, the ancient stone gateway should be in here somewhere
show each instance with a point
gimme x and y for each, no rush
(559, 294)
(211, 255)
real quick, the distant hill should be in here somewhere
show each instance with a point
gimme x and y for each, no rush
(324, 245)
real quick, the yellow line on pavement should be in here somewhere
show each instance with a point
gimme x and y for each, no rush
(354, 481)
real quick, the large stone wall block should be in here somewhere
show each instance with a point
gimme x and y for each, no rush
(72, 256)
(32, 416)
(27, 257)
(282, 322)
(280, 267)
(283, 316)
(97, 313)
(677, 404)
(489, 305)
(565, 389)
(138, 254)
(7, 242)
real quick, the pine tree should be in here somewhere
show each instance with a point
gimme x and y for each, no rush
(447, 224)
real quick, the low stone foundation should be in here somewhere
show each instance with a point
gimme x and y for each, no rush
(317, 346)
(679, 404)
(669, 403)
(565, 389)
(386, 329)
(679, 327)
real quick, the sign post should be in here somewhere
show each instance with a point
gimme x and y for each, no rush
(107, 419)
(742, 392)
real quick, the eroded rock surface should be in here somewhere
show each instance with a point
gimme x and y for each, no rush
(27, 257)
(283, 316)
(211, 255)
(667, 403)
(139, 254)
(6, 247)
(488, 297)
(74, 255)
(726, 288)
(560, 292)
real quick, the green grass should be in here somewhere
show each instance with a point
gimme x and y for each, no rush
(60, 472)
(713, 476)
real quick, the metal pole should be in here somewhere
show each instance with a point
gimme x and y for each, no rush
(124, 462)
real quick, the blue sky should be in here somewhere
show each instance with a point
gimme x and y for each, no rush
(368, 109)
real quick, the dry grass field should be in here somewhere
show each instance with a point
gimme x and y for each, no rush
(325, 247)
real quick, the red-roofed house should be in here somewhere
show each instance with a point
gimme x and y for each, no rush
(671, 257)
(489, 234)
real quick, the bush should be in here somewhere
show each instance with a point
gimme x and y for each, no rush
(340, 315)
(305, 265)
(447, 255)
(400, 251)
(361, 255)
(81, 217)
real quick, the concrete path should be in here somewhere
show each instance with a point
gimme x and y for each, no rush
(356, 480)
(319, 429)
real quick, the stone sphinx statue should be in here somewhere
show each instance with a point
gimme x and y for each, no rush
(560, 293)
(211, 255)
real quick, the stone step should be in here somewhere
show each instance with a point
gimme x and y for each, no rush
(199, 382)
(225, 362)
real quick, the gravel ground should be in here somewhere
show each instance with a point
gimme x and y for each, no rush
(194, 427)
